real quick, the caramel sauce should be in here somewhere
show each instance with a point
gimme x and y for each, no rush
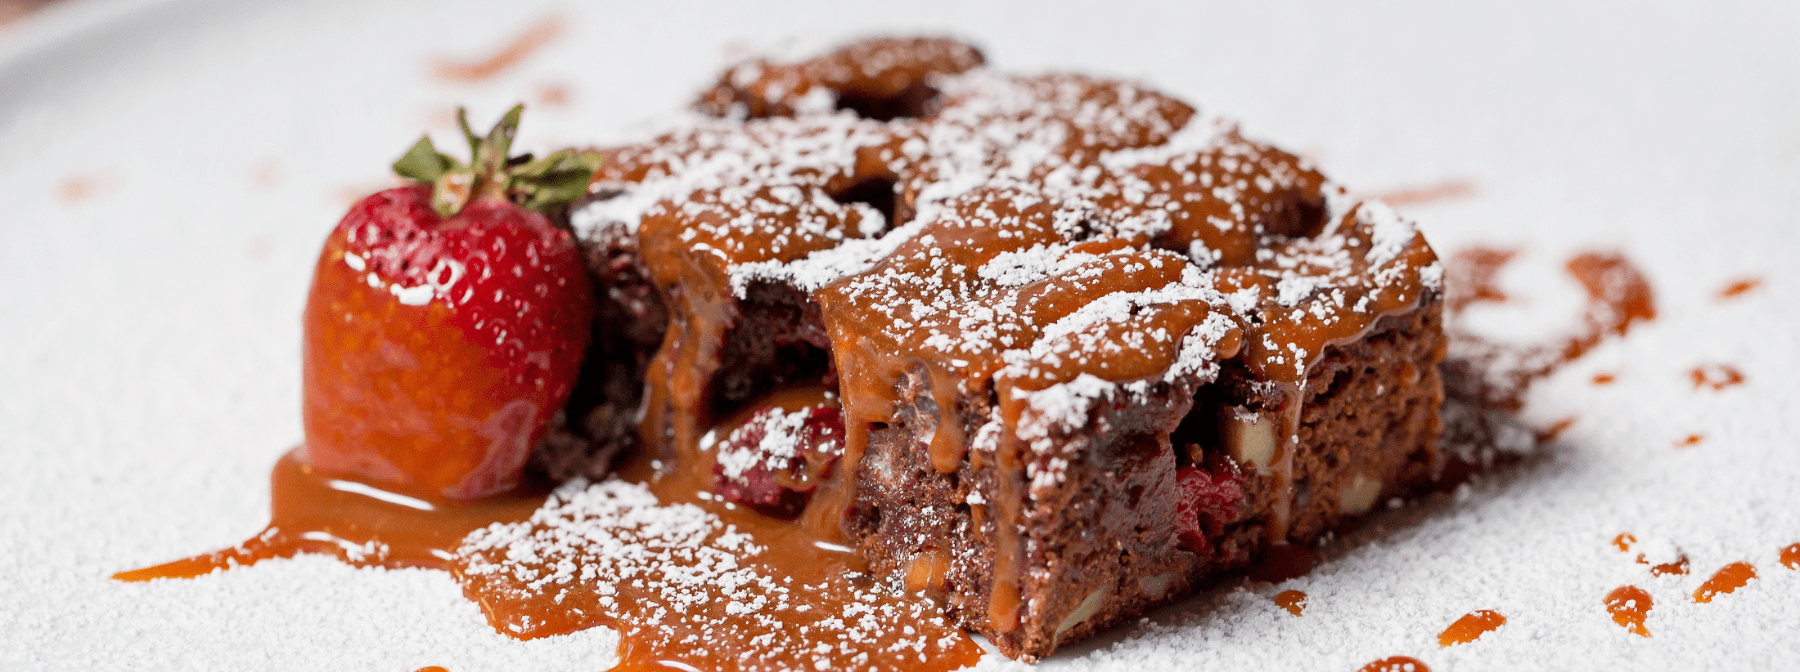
(665, 623)
(1395, 664)
(1790, 556)
(1618, 296)
(1472, 274)
(1471, 627)
(365, 526)
(1716, 376)
(1442, 191)
(362, 524)
(1729, 578)
(431, 668)
(1739, 288)
(1293, 601)
(1603, 379)
(1624, 541)
(1629, 606)
(927, 570)
(527, 43)
(1690, 440)
(1677, 567)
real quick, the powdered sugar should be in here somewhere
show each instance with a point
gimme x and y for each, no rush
(777, 447)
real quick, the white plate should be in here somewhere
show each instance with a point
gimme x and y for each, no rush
(167, 170)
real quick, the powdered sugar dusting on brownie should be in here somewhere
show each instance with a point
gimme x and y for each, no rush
(700, 154)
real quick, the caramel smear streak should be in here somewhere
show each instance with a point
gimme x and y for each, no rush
(1739, 288)
(1619, 296)
(1472, 273)
(1471, 627)
(1431, 193)
(1556, 429)
(527, 43)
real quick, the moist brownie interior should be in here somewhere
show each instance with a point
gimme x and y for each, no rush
(1091, 347)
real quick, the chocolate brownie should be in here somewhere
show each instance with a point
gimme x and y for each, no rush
(1091, 348)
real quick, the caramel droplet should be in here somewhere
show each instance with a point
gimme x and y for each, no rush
(1729, 578)
(1715, 376)
(1691, 440)
(1471, 627)
(1679, 567)
(1790, 556)
(1739, 288)
(1629, 606)
(1396, 664)
(1293, 601)
(431, 668)
(1624, 541)
(1604, 378)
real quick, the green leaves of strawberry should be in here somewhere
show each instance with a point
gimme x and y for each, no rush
(491, 173)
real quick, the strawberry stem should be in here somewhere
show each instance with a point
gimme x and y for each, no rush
(492, 173)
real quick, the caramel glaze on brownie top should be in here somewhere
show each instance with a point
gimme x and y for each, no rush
(998, 261)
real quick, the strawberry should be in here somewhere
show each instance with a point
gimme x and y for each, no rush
(447, 321)
(774, 461)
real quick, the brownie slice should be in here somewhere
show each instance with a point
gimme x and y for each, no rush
(1092, 348)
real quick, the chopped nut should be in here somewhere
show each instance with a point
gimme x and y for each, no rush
(1249, 437)
(1359, 496)
(1158, 585)
(1083, 611)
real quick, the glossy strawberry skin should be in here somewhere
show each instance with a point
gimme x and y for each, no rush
(437, 349)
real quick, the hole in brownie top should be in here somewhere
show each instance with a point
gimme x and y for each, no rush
(876, 192)
(915, 101)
